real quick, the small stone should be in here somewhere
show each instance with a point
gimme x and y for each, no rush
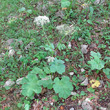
(9, 83)
(18, 81)
(2, 55)
(69, 45)
(50, 59)
(51, 103)
(11, 53)
(29, 46)
(41, 20)
(71, 73)
(73, 93)
(85, 82)
(86, 106)
(72, 108)
(101, 83)
(36, 59)
(10, 41)
(80, 39)
(93, 45)
(82, 78)
(82, 69)
(79, 102)
(96, 2)
(87, 100)
(59, 14)
(84, 49)
(108, 106)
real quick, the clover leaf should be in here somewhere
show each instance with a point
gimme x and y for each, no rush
(57, 66)
(96, 62)
(63, 87)
(49, 47)
(65, 3)
(31, 86)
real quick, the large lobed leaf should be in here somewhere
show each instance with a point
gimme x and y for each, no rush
(31, 86)
(96, 62)
(57, 66)
(63, 87)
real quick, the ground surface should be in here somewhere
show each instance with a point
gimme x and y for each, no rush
(93, 30)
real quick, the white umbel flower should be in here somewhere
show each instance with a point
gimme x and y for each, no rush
(41, 20)
(50, 59)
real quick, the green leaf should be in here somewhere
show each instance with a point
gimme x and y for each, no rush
(27, 106)
(83, 93)
(49, 47)
(46, 83)
(22, 9)
(19, 105)
(91, 11)
(91, 90)
(29, 11)
(107, 72)
(55, 97)
(46, 70)
(31, 86)
(89, 21)
(61, 46)
(65, 3)
(57, 66)
(63, 87)
(108, 84)
(36, 70)
(96, 62)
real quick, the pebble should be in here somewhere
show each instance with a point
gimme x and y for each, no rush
(82, 78)
(86, 106)
(84, 49)
(71, 73)
(9, 83)
(108, 106)
(82, 69)
(72, 108)
(18, 81)
(101, 83)
(73, 93)
(11, 53)
(85, 82)
(69, 45)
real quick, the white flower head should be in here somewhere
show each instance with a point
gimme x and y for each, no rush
(41, 20)
(50, 59)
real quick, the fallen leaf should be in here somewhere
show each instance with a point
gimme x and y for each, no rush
(94, 83)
